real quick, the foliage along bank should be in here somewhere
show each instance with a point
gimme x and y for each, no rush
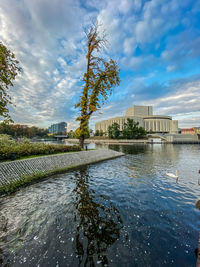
(10, 149)
(9, 69)
(19, 130)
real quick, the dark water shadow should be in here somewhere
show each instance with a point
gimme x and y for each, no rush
(130, 149)
(98, 225)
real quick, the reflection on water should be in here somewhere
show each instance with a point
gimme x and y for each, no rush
(98, 224)
(52, 226)
(121, 212)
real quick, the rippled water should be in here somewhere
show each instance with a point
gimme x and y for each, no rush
(121, 212)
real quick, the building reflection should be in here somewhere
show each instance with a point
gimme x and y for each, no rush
(172, 150)
(129, 149)
(98, 223)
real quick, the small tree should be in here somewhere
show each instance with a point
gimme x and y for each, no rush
(129, 130)
(9, 68)
(99, 79)
(71, 134)
(132, 131)
(97, 133)
(101, 132)
(141, 132)
(110, 131)
(114, 131)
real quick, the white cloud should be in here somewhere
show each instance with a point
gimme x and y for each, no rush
(183, 104)
(33, 30)
(170, 68)
(48, 40)
(129, 45)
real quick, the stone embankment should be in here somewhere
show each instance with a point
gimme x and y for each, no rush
(158, 139)
(14, 170)
(110, 141)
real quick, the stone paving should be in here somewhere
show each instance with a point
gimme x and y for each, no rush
(16, 169)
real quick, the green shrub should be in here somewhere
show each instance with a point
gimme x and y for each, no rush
(5, 139)
(29, 149)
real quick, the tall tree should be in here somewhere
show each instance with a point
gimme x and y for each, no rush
(9, 68)
(99, 79)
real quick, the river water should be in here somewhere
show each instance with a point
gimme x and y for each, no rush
(120, 212)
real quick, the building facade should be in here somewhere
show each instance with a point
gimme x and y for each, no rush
(144, 116)
(194, 130)
(187, 131)
(58, 128)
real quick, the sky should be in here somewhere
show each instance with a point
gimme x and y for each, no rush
(156, 45)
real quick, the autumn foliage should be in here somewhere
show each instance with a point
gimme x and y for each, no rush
(99, 80)
(9, 69)
(19, 130)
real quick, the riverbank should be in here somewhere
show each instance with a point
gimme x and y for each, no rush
(110, 141)
(154, 139)
(21, 172)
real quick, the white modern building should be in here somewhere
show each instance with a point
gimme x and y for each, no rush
(144, 115)
(58, 128)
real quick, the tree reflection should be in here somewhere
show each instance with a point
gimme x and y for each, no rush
(98, 223)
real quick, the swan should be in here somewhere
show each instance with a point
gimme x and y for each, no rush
(173, 175)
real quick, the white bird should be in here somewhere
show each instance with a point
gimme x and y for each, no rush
(173, 175)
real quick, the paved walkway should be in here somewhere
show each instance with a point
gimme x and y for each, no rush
(16, 169)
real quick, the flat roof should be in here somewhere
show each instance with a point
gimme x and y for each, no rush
(158, 117)
(121, 117)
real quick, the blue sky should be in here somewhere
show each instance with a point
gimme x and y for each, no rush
(155, 43)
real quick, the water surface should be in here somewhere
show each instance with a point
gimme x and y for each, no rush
(121, 212)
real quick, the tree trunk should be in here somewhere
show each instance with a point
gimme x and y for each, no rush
(81, 141)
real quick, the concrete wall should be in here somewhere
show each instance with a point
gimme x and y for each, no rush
(139, 111)
(103, 125)
(174, 126)
(16, 169)
(182, 138)
(157, 125)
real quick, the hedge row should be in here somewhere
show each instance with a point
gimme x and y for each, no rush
(29, 149)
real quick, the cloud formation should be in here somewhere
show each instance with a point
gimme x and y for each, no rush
(156, 44)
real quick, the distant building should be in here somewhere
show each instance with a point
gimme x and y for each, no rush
(194, 130)
(144, 115)
(60, 128)
(188, 131)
